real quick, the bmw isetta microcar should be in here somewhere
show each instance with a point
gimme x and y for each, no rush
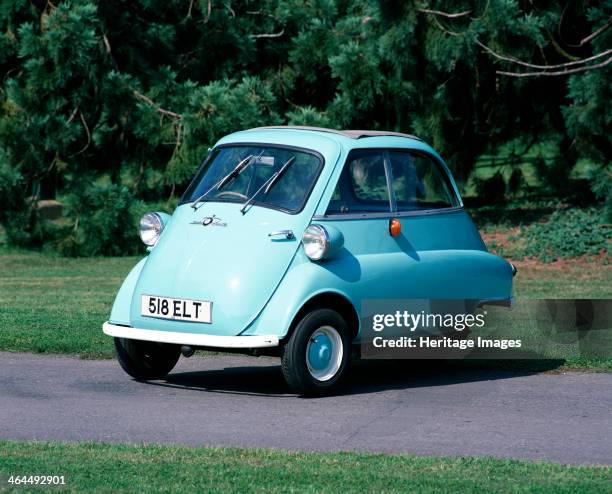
(278, 239)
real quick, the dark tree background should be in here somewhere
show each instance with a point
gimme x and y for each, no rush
(110, 105)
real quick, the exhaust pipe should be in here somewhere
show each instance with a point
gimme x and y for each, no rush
(187, 351)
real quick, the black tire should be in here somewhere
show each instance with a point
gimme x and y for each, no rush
(293, 355)
(144, 360)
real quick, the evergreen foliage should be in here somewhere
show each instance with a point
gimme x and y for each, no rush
(104, 105)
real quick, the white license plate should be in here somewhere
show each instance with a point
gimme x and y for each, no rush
(178, 309)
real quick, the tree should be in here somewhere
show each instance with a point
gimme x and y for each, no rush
(110, 105)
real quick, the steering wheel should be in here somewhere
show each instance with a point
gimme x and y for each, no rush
(232, 194)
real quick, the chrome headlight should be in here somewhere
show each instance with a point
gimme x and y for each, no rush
(316, 242)
(150, 227)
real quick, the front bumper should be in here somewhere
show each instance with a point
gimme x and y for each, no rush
(191, 339)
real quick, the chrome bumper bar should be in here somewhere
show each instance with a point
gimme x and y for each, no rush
(191, 339)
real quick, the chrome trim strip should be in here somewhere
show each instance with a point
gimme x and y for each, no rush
(514, 270)
(398, 214)
(506, 302)
(192, 339)
(389, 179)
(351, 134)
(288, 234)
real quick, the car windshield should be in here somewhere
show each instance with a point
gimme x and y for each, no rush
(289, 192)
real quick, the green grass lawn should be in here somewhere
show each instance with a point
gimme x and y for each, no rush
(54, 304)
(152, 468)
(58, 305)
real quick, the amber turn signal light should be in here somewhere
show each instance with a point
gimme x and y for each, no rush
(395, 227)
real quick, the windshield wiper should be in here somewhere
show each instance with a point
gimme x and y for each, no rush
(268, 184)
(238, 169)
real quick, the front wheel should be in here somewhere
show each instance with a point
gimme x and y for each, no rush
(144, 360)
(315, 359)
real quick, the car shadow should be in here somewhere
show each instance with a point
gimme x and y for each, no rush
(363, 377)
(263, 380)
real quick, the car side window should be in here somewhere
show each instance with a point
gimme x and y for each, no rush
(362, 187)
(419, 183)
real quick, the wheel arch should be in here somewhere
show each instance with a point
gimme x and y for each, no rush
(120, 312)
(329, 300)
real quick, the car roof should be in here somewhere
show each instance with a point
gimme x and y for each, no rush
(319, 138)
(351, 134)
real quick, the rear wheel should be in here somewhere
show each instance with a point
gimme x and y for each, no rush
(315, 359)
(145, 360)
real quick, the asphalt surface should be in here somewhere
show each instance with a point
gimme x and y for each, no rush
(243, 401)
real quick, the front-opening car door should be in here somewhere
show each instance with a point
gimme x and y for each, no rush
(231, 240)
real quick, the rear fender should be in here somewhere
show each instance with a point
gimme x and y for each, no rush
(341, 276)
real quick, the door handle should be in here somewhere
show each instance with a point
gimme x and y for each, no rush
(288, 234)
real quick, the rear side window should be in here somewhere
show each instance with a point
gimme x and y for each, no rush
(362, 187)
(419, 183)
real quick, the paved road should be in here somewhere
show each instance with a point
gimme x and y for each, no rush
(243, 401)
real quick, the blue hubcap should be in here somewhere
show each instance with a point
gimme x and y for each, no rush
(320, 351)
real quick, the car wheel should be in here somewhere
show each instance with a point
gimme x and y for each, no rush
(145, 360)
(315, 359)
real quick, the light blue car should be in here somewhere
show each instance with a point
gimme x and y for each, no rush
(281, 235)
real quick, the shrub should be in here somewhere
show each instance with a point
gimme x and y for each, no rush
(103, 221)
(601, 183)
(567, 233)
(18, 214)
